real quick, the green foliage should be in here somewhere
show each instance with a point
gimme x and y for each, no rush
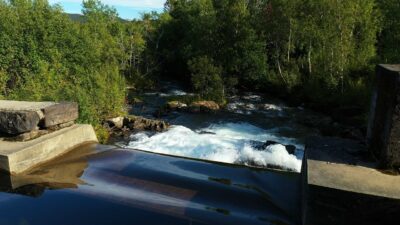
(45, 56)
(320, 41)
(289, 46)
(3, 84)
(206, 79)
(321, 51)
(389, 40)
(102, 134)
(220, 30)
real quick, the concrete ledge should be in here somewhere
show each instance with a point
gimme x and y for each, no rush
(342, 164)
(342, 185)
(16, 157)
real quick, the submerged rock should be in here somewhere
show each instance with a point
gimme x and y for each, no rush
(204, 106)
(291, 149)
(207, 132)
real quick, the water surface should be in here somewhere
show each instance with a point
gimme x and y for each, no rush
(103, 185)
(231, 135)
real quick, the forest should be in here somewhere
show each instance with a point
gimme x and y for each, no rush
(317, 53)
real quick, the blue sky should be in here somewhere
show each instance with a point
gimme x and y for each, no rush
(127, 9)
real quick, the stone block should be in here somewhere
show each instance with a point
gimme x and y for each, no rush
(17, 117)
(17, 122)
(383, 136)
(60, 113)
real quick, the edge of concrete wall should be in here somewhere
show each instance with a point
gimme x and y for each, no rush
(33, 153)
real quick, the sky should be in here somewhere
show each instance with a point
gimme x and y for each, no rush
(127, 9)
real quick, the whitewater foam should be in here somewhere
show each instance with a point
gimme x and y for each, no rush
(228, 142)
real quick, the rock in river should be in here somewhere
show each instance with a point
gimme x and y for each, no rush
(175, 106)
(204, 106)
(291, 149)
(136, 123)
(117, 122)
(141, 123)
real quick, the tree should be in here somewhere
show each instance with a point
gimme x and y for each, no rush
(206, 78)
(389, 39)
(46, 56)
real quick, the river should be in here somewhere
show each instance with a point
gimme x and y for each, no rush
(231, 135)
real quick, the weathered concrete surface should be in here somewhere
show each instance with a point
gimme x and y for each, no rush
(60, 113)
(384, 121)
(26, 136)
(16, 157)
(18, 117)
(23, 105)
(342, 185)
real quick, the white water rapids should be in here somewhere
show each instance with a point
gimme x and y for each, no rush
(223, 142)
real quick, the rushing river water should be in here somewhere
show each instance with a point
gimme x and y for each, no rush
(231, 135)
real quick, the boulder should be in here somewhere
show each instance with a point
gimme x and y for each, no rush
(137, 123)
(204, 106)
(117, 122)
(170, 107)
(175, 106)
(18, 122)
(291, 149)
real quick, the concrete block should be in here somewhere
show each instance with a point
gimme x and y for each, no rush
(384, 121)
(17, 157)
(342, 185)
(18, 117)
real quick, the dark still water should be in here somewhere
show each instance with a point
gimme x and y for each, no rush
(97, 185)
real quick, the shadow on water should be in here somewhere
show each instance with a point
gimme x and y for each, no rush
(102, 185)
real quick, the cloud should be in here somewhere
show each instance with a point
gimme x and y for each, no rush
(126, 3)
